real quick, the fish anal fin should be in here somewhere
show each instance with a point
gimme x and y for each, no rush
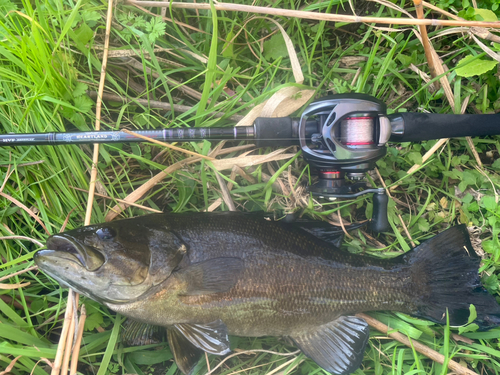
(338, 346)
(211, 338)
(135, 333)
(186, 355)
(216, 275)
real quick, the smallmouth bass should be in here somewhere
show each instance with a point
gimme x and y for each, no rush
(205, 276)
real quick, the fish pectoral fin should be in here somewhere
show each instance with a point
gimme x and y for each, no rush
(338, 346)
(211, 338)
(167, 251)
(136, 333)
(216, 275)
(186, 355)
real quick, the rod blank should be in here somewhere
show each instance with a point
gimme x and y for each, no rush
(165, 135)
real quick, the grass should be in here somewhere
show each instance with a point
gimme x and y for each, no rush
(50, 56)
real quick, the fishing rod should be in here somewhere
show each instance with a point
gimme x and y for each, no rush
(341, 137)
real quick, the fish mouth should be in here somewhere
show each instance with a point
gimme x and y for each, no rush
(66, 247)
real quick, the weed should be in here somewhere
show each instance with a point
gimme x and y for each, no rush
(50, 55)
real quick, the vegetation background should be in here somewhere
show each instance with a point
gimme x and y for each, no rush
(51, 58)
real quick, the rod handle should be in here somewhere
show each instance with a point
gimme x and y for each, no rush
(274, 132)
(416, 127)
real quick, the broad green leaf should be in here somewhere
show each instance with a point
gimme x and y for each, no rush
(455, 174)
(93, 321)
(473, 207)
(489, 246)
(91, 17)
(84, 33)
(80, 89)
(415, 157)
(468, 328)
(489, 203)
(83, 103)
(467, 198)
(485, 15)
(470, 177)
(405, 60)
(275, 47)
(423, 224)
(469, 68)
(462, 186)
(491, 283)
(473, 313)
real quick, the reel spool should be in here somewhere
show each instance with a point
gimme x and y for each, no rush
(351, 133)
(357, 132)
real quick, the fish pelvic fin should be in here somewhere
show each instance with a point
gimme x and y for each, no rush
(338, 346)
(186, 355)
(188, 342)
(211, 338)
(444, 274)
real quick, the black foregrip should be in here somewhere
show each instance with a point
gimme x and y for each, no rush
(274, 132)
(416, 127)
(380, 222)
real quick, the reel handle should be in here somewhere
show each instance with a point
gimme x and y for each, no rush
(416, 127)
(379, 222)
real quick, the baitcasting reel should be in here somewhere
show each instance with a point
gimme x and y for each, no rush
(341, 136)
(352, 131)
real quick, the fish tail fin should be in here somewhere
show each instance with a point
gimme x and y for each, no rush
(444, 276)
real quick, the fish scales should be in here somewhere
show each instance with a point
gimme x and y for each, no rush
(278, 285)
(205, 276)
(289, 300)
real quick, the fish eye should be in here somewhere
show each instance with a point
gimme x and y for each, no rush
(105, 233)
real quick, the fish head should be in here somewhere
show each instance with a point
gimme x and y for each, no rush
(113, 262)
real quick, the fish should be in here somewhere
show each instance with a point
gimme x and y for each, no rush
(205, 276)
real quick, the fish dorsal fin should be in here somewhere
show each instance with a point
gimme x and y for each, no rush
(291, 222)
(136, 333)
(216, 275)
(186, 355)
(322, 230)
(319, 229)
(211, 338)
(338, 346)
